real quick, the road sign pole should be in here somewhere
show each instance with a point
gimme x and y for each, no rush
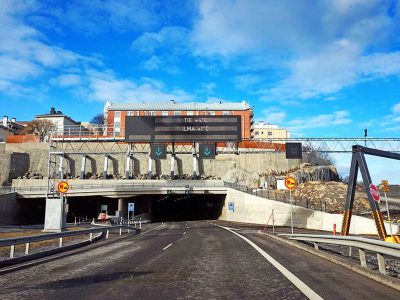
(291, 209)
(387, 208)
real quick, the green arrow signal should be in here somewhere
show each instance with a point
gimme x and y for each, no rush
(158, 151)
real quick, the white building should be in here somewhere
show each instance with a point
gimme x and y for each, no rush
(264, 131)
(62, 123)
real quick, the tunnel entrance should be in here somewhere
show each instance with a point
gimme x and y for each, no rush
(187, 207)
(175, 207)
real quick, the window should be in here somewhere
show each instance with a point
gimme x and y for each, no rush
(152, 113)
(211, 113)
(225, 113)
(164, 113)
(269, 133)
(117, 114)
(189, 113)
(177, 113)
(129, 113)
(255, 132)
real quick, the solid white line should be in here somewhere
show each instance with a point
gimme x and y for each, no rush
(165, 248)
(306, 290)
(153, 228)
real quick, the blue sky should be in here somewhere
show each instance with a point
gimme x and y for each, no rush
(319, 68)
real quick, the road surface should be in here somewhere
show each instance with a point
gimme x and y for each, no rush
(195, 260)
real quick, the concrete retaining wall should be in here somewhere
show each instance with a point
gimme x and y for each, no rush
(17, 159)
(257, 210)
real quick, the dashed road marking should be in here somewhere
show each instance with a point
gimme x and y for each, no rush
(165, 248)
(305, 289)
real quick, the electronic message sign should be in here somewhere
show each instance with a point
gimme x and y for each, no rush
(183, 129)
(294, 151)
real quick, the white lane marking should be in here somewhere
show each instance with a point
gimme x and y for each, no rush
(153, 228)
(306, 290)
(165, 248)
(184, 233)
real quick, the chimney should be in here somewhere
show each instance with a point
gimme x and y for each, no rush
(14, 120)
(173, 101)
(5, 121)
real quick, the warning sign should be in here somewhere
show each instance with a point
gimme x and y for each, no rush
(374, 192)
(63, 187)
(290, 183)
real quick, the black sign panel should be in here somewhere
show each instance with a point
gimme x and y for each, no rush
(183, 129)
(294, 151)
(158, 151)
(207, 151)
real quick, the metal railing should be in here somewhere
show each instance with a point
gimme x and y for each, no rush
(123, 186)
(362, 244)
(312, 144)
(12, 242)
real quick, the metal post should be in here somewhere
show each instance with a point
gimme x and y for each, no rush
(105, 166)
(83, 166)
(273, 221)
(291, 210)
(12, 251)
(390, 223)
(381, 263)
(363, 260)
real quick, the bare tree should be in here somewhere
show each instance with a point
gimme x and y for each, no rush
(39, 127)
(98, 119)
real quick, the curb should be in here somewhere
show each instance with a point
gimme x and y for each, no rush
(386, 280)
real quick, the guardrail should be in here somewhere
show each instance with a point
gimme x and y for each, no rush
(362, 244)
(121, 186)
(12, 242)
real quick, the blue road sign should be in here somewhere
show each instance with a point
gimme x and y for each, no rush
(131, 206)
(158, 151)
(207, 151)
(231, 206)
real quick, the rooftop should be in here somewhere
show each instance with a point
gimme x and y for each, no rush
(173, 105)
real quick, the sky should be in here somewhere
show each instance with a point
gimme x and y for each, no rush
(318, 68)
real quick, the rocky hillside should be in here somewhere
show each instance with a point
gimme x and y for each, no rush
(330, 196)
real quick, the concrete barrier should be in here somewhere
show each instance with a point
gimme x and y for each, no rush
(252, 209)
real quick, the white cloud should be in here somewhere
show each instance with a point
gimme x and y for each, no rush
(396, 108)
(67, 80)
(105, 86)
(247, 81)
(319, 121)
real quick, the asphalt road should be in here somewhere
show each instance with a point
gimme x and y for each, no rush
(188, 260)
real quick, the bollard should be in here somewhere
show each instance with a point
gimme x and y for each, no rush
(91, 236)
(27, 245)
(129, 231)
(140, 225)
(334, 229)
(60, 242)
(120, 231)
(107, 233)
(75, 221)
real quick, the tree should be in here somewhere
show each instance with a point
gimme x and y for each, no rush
(98, 122)
(39, 127)
(98, 119)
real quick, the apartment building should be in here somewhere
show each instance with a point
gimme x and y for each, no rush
(264, 131)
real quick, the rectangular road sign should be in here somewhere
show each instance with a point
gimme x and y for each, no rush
(158, 151)
(131, 206)
(294, 151)
(207, 151)
(183, 129)
(231, 206)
